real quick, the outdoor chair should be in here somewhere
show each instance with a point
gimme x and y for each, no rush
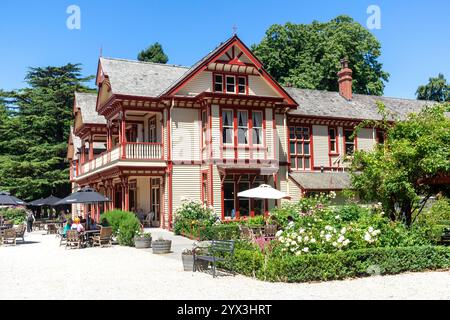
(218, 251)
(148, 220)
(9, 236)
(51, 229)
(247, 233)
(104, 238)
(73, 239)
(20, 232)
(270, 232)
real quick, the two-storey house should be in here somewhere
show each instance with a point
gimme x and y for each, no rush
(155, 134)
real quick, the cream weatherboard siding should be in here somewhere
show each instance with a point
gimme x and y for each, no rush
(281, 137)
(200, 83)
(185, 134)
(258, 86)
(217, 191)
(186, 183)
(295, 192)
(366, 140)
(216, 134)
(269, 132)
(320, 141)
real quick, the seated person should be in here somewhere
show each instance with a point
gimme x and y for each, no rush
(77, 225)
(93, 225)
(104, 223)
(67, 227)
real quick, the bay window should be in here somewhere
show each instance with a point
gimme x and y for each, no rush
(242, 122)
(204, 127)
(227, 126)
(257, 127)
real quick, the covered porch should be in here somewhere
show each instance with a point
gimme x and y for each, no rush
(138, 190)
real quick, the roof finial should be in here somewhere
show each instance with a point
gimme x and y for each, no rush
(101, 51)
(235, 30)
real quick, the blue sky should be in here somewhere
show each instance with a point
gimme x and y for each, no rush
(414, 34)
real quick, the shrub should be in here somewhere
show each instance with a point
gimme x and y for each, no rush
(18, 216)
(340, 265)
(220, 232)
(192, 213)
(125, 226)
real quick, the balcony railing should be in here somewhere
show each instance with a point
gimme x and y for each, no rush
(143, 151)
(127, 151)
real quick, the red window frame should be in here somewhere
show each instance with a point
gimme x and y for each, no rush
(355, 142)
(335, 141)
(300, 156)
(237, 86)
(249, 127)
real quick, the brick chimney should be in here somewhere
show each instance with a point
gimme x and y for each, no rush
(345, 80)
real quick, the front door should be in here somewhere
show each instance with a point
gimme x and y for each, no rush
(155, 201)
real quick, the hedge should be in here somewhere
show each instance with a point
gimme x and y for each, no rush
(342, 265)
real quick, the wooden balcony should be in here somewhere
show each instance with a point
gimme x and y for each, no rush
(127, 152)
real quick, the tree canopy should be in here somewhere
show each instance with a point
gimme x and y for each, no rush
(154, 53)
(415, 150)
(437, 89)
(34, 128)
(308, 55)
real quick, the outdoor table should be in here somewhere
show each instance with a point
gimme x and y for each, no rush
(87, 235)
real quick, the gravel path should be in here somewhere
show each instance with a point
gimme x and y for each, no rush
(40, 269)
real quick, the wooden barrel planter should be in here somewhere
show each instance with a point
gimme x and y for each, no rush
(161, 246)
(142, 242)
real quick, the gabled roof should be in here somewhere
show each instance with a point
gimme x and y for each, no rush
(216, 54)
(87, 102)
(136, 78)
(329, 104)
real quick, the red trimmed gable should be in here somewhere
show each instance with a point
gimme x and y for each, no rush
(232, 57)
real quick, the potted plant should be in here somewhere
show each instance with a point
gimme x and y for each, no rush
(143, 240)
(161, 246)
(187, 257)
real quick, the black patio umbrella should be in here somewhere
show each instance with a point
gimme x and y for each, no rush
(49, 201)
(36, 203)
(7, 199)
(84, 196)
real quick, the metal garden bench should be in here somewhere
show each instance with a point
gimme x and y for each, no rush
(218, 251)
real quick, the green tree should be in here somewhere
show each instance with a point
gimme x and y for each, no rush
(308, 55)
(154, 53)
(415, 150)
(437, 89)
(34, 134)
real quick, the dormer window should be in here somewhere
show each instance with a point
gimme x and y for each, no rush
(231, 84)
